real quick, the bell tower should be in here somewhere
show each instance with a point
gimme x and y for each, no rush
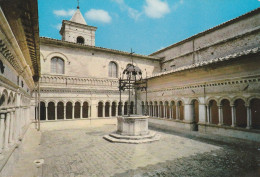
(77, 30)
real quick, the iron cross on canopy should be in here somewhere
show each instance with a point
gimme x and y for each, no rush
(78, 4)
(132, 56)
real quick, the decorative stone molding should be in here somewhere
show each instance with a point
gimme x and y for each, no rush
(9, 56)
(235, 82)
(212, 61)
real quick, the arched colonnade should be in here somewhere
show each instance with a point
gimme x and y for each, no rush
(236, 112)
(14, 117)
(51, 110)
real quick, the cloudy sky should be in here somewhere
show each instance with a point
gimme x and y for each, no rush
(144, 25)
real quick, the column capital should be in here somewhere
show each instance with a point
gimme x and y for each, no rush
(2, 116)
(3, 111)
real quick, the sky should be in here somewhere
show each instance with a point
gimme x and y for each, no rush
(145, 26)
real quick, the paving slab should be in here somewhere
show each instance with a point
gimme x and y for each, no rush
(77, 148)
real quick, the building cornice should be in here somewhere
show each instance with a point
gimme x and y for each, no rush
(253, 51)
(77, 90)
(215, 83)
(24, 25)
(11, 51)
(58, 43)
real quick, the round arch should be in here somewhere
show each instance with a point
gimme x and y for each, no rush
(80, 40)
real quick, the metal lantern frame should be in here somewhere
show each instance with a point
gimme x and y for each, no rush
(131, 79)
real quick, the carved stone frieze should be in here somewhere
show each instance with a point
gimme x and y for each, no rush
(8, 55)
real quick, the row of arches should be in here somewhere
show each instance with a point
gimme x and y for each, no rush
(14, 117)
(236, 113)
(9, 99)
(113, 109)
(165, 109)
(80, 110)
(61, 110)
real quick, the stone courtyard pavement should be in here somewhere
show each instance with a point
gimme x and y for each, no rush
(77, 149)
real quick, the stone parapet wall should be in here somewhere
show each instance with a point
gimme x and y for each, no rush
(230, 132)
(55, 81)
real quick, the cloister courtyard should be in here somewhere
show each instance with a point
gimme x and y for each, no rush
(76, 148)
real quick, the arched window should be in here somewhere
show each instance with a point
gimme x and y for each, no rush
(57, 65)
(112, 69)
(80, 40)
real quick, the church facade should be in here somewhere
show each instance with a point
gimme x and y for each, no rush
(80, 80)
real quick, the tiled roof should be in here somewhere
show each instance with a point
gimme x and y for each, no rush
(213, 61)
(78, 18)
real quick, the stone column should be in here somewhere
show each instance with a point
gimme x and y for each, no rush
(7, 130)
(46, 110)
(81, 106)
(103, 111)
(19, 122)
(11, 127)
(15, 125)
(233, 113)
(220, 115)
(170, 112)
(116, 110)
(153, 110)
(23, 117)
(188, 112)
(73, 111)
(64, 112)
(110, 110)
(210, 115)
(249, 118)
(177, 112)
(89, 109)
(159, 111)
(164, 111)
(2, 130)
(28, 116)
(202, 113)
(97, 110)
(56, 112)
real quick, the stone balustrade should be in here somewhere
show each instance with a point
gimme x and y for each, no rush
(12, 126)
(69, 80)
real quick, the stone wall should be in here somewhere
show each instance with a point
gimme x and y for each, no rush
(82, 61)
(231, 37)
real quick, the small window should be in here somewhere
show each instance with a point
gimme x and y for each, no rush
(112, 72)
(80, 40)
(57, 65)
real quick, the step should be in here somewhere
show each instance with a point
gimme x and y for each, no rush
(118, 136)
(131, 141)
